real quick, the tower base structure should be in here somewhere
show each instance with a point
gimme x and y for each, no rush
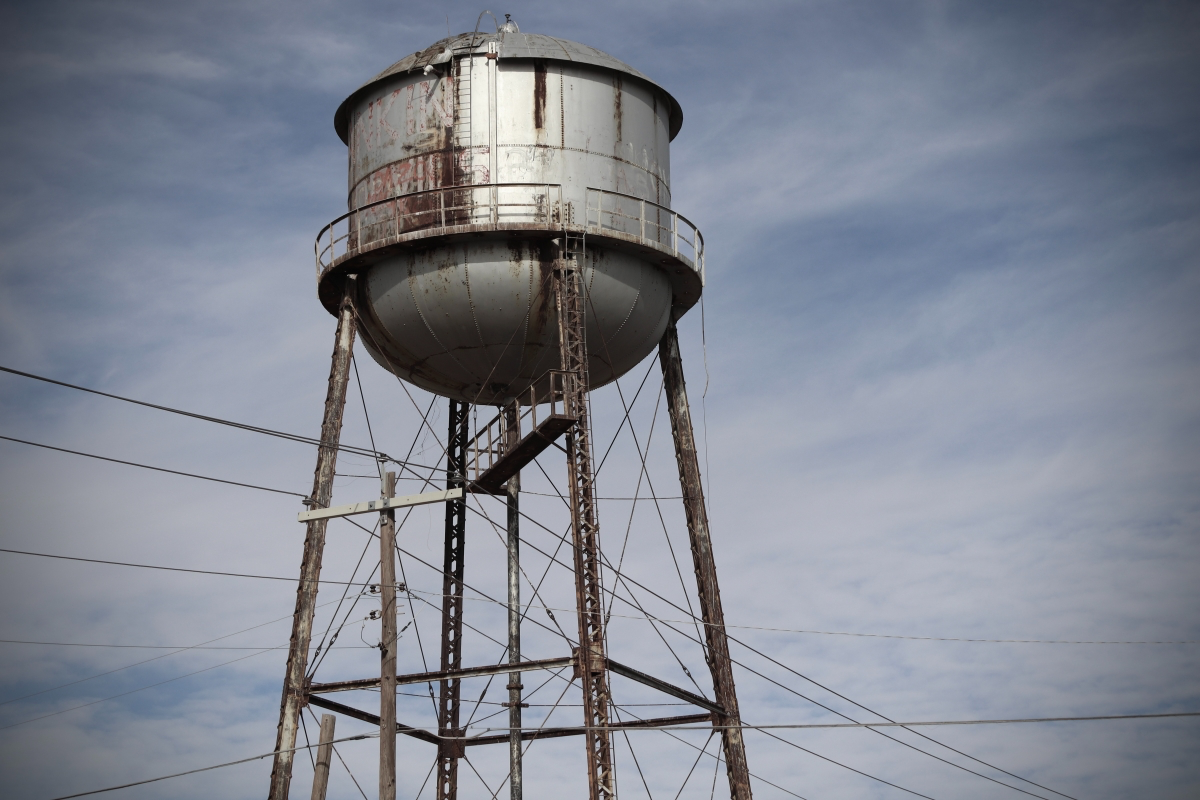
(472, 465)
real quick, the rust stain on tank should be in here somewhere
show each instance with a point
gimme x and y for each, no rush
(618, 113)
(544, 267)
(539, 96)
(516, 257)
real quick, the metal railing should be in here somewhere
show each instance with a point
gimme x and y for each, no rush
(634, 216)
(492, 204)
(491, 441)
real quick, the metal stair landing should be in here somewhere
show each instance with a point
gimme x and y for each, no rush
(491, 461)
(532, 445)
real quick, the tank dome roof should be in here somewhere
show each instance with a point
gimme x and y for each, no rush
(511, 45)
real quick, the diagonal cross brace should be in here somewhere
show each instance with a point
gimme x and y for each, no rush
(662, 686)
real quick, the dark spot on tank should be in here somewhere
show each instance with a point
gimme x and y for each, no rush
(618, 112)
(658, 169)
(543, 301)
(539, 95)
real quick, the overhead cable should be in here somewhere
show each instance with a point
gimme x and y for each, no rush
(156, 469)
(216, 766)
(294, 437)
(162, 646)
(810, 726)
(155, 658)
(172, 569)
(135, 691)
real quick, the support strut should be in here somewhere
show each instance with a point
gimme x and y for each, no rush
(717, 651)
(314, 547)
(451, 748)
(512, 427)
(585, 529)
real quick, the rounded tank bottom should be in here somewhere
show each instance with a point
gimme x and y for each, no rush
(476, 321)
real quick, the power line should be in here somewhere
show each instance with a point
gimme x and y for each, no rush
(622, 616)
(946, 638)
(161, 646)
(171, 569)
(294, 437)
(155, 658)
(808, 726)
(135, 691)
(881, 733)
(240, 425)
(798, 694)
(156, 469)
(215, 766)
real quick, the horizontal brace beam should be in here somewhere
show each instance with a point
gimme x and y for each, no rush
(554, 733)
(329, 705)
(446, 675)
(382, 504)
(663, 686)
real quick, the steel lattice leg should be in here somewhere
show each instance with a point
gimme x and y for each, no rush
(593, 666)
(452, 604)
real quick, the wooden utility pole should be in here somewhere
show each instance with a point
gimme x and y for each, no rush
(294, 689)
(512, 414)
(717, 651)
(324, 753)
(387, 645)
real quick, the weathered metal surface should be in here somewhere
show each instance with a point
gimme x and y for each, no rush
(475, 320)
(440, 137)
(527, 735)
(717, 650)
(314, 548)
(554, 733)
(435, 217)
(366, 716)
(512, 430)
(585, 527)
(440, 675)
(554, 121)
(512, 47)
(666, 688)
(452, 603)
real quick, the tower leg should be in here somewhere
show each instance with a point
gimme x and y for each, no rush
(585, 529)
(512, 414)
(717, 651)
(452, 604)
(314, 546)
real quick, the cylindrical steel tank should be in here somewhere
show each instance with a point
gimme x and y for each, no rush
(473, 166)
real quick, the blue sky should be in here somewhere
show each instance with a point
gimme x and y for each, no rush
(952, 352)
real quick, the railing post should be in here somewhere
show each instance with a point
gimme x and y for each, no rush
(642, 219)
(675, 235)
(442, 206)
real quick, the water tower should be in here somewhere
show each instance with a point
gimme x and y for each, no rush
(510, 242)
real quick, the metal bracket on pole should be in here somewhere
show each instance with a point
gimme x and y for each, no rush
(382, 504)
